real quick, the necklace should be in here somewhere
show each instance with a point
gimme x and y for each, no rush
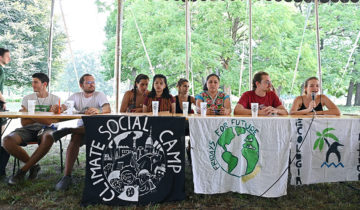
(37, 97)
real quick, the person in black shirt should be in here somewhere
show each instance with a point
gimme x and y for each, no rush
(310, 101)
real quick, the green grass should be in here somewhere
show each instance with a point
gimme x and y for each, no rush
(40, 194)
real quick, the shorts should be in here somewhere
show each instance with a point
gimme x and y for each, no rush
(33, 132)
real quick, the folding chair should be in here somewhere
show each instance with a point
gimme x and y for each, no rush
(17, 162)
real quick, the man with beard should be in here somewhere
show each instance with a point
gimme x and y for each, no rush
(263, 94)
(89, 102)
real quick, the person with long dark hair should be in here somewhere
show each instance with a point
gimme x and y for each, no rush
(217, 101)
(133, 100)
(311, 101)
(183, 96)
(160, 92)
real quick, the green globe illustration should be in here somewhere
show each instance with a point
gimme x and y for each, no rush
(243, 156)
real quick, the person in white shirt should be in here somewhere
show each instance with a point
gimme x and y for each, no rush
(88, 102)
(34, 129)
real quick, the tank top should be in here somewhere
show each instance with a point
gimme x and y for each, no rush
(178, 108)
(317, 108)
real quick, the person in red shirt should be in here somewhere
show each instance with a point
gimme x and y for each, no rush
(269, 102)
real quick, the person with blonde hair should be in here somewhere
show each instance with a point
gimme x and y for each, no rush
(311, 101)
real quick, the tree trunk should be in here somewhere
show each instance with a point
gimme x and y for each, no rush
(350, 93)
(357, 95)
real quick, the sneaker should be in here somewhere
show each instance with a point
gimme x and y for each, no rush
(34, 172)
(58, 134)
(64, 183)
(19, 177)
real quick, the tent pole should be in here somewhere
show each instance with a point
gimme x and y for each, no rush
(318, 44)
(250, 46)
(117, 70)
(187, 29)
(50, 42)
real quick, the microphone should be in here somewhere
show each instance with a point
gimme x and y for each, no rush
(313, 94)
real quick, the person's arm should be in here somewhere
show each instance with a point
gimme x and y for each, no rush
(125, 102)
(240, 110)
(105, 109)
(332, 108)
(173, 108)
(296, 105)
(145, 108)
(226, 110)
(281, 110)
(278, 110)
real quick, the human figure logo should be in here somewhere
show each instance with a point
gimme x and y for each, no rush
(333, 148)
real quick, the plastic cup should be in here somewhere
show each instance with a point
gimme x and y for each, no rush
(155, 108)
(69, 107)
(254, 109)
(185, 109)
(203, 108)
(31, 106)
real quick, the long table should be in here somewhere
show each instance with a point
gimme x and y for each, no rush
(257, 143)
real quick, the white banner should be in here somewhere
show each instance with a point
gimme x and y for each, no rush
(244, 155)
(329, 153)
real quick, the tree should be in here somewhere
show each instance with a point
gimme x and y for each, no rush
(85, 62)
(24, 30)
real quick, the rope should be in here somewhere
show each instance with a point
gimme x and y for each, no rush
(300, 48)
(348, 61)
(143, 44)
(69, 43)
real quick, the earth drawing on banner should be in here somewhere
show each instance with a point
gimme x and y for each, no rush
(244, 147)
(134, 164)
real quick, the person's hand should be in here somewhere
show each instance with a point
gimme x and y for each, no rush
(55, 109)
(311, 106)
(224, 111)
(23, 109)
(4, 106)
(270, 110)
(92, 111)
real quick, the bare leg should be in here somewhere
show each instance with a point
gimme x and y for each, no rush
(72, 152)
(12, 146)
(79, 130)
(44, 147)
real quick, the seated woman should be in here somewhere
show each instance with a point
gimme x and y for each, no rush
(305, 105)
(217, 102)
(160, 92)
(133, 100)
(183, 96)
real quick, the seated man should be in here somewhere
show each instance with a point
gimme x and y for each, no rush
(32, 130)
(262, 94)
(89, 102)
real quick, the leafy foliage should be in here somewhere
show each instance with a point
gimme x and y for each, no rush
(323, 136)
(24, 30)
